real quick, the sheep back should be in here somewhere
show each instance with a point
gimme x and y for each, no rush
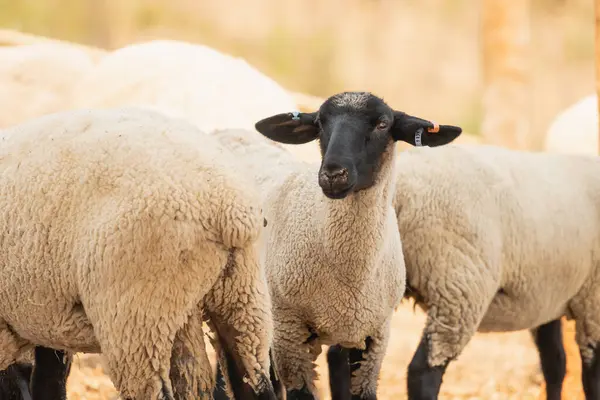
(525, 223)
(85, 195)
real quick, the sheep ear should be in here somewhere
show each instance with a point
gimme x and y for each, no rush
(420, 132)
(290, 128)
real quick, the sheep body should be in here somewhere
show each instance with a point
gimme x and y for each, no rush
(121, 228)
(208, 88)
(37, 79)
(575, 129)
(498, 240)
(332, 309)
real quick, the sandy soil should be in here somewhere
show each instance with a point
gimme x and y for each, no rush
(494, 366)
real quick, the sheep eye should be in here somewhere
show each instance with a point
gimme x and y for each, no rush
(382, 125)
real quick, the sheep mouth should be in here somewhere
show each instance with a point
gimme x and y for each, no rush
(337, 193)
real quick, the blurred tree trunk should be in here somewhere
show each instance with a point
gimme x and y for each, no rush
(506, 65)
(99, 32)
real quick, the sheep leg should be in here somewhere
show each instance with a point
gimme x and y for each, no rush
(295, 350)
(548, 340)
(590, 359)
(191, 373)
(137, 331)
(14, 382)
(591, 375)
(221, 394)
(365, 364)
(139, 364)
(584, 308)
(456, 306)
(234, 366)
(238, 308)
(340, 376)
(353, 373)
(50, 373)
(424, 380)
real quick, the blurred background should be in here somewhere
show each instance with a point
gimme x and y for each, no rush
(441, 58)
(501, 69)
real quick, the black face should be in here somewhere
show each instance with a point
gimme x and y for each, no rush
(354, 134)
(354, 129)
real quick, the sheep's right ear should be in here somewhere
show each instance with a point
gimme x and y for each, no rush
(290, 128)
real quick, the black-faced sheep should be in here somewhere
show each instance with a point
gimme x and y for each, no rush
(332, 252)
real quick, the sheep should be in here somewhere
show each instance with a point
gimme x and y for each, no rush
(123, 230)
(186, 80)
(264, 159)
(37, 79)
(575, 129)
(498, 240)
(334, 264)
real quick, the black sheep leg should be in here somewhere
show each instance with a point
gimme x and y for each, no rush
(424, 382)
(50, 373)
(339, 372)
(590, 375)
(14, 382)
(342, 363)
(548, 340)
(219, 391)
(45, 380)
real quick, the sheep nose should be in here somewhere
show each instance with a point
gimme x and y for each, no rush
(335, 173)
(335, 180)
(334, 177)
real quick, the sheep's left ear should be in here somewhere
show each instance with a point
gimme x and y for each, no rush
(290, 128)
(420, 132)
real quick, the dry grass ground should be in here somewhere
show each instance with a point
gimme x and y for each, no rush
(494, 366)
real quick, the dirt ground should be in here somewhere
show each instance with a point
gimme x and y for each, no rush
(493, 367)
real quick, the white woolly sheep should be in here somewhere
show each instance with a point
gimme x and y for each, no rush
(262, 158)
(122, 229)
(187, 80)
(344, 233)
(497, 240)
(37, 79)
(575, 129)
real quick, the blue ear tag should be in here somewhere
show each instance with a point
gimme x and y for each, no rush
(295, 115)
(418, 134)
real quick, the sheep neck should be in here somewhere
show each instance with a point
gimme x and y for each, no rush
(354, 232)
